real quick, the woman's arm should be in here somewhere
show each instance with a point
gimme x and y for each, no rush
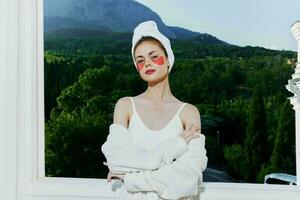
(123, 156)
(179, 178)
(121, 112)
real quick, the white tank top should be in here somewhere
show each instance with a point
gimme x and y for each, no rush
(146, 138)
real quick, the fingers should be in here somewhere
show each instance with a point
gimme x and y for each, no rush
(112, 176)
(108, 177)
(195, 128)
(195, 131)
(191, 131)
(189, 127)
(196, 135)
(109, 174)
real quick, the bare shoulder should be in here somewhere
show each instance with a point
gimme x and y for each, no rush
(190, 115)
(121, 111)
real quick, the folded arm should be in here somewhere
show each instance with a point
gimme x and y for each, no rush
(174, 180)
(123, 156)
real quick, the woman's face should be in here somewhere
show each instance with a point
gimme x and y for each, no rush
(151, 61)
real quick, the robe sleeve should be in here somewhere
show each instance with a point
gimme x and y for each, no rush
(123, 156)
(175, 180)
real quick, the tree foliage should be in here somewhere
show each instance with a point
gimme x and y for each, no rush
(85, 76)
(256, 136)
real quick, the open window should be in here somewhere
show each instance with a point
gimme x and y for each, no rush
(29, 143)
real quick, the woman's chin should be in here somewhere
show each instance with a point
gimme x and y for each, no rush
(154, 79)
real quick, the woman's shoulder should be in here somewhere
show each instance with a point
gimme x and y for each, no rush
(122, 110)
(125, 104)
(190, 114)
(190, 108)
(123, 101)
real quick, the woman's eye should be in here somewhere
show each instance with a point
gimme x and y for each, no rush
(140, 61)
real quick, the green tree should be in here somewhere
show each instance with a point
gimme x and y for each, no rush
(284, 157)
(234, 156)
(256, 138)
(79, 125)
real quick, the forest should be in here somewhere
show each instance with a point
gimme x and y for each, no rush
(240, 92)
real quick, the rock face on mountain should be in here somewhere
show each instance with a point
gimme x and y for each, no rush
(110, 15)
(106, 15)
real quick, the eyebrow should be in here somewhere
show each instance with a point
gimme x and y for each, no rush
(149, 54)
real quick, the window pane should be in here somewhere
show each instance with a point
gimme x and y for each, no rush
(239, 90)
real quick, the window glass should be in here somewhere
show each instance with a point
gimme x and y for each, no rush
(224, 65)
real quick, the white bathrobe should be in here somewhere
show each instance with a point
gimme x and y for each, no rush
(173, 169)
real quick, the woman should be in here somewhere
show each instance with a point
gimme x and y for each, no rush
(157, 122)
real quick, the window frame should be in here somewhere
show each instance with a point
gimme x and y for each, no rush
(27, 139)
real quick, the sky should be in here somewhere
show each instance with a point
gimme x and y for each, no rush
(264, 23)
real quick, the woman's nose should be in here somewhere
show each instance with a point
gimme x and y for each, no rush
(147, 62)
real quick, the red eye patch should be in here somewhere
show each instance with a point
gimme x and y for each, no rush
(140, 66)
(159, 61)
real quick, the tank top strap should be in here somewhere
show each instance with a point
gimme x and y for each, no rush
(134, 108)
(132, 102)
(181, 107)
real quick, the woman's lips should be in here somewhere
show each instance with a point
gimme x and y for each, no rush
(150, 71)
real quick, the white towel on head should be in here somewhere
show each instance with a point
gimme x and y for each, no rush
(149, 28)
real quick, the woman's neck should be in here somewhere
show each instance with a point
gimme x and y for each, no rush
(159, 92)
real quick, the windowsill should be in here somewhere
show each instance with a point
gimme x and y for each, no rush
(88, 187)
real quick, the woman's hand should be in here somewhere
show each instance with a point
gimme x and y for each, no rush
(190, 132)
(112, 175)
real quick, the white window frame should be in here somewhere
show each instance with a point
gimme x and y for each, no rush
(22, 166)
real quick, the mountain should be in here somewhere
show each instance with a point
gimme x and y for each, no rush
(183, 33)
(105, 15)
(108, 16)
